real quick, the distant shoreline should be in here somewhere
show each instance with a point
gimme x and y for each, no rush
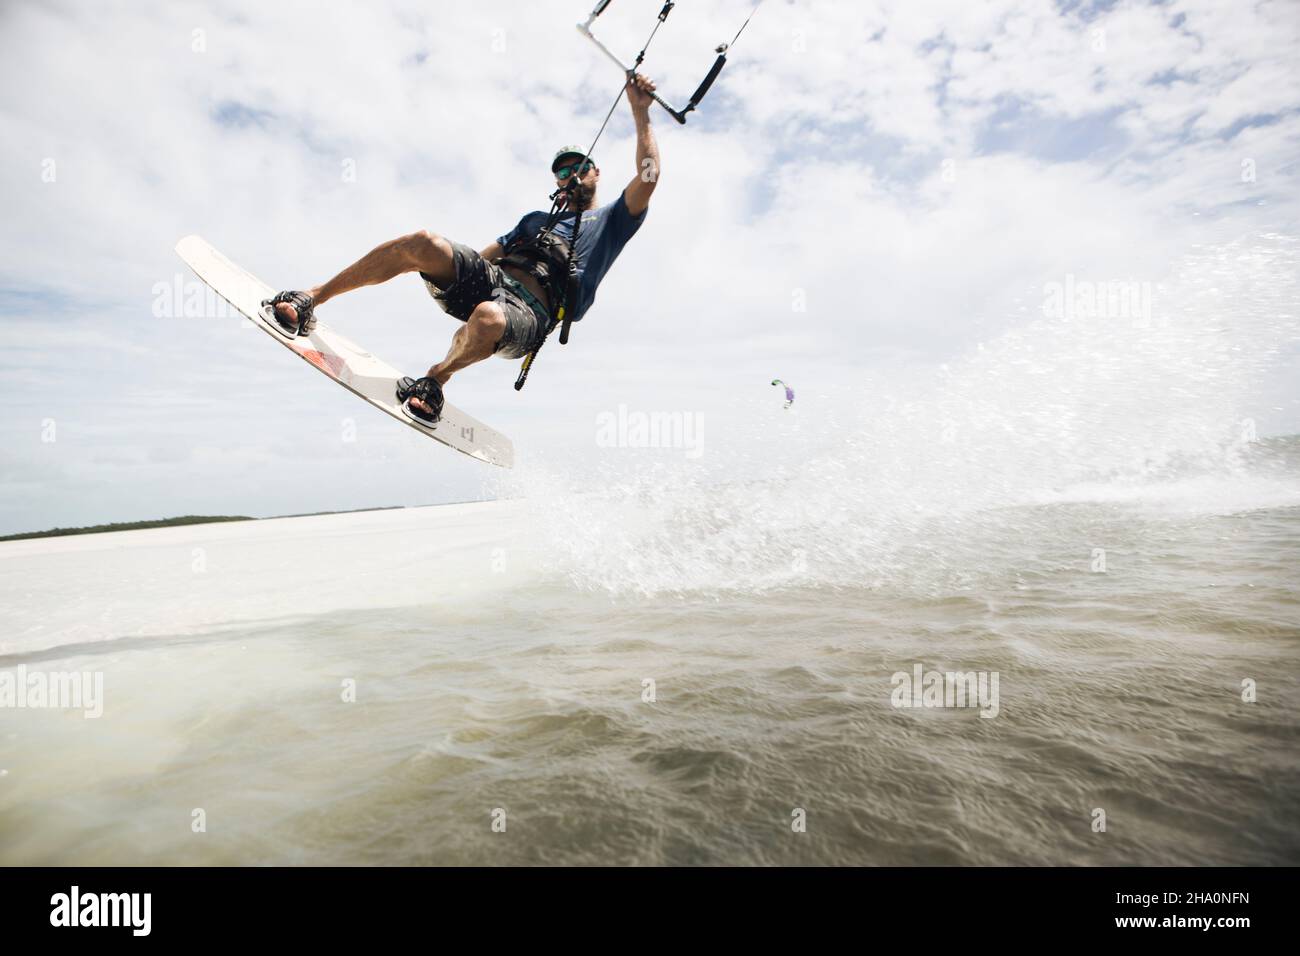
(200, 519)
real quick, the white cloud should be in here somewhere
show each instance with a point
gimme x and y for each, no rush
(814, 168)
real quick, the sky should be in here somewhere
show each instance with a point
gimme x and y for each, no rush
(868, 186)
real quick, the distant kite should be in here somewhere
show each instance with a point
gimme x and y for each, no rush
(789, 392)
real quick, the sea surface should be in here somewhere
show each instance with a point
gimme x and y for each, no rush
(698, 654)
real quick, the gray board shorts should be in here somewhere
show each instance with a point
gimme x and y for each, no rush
(478, 280)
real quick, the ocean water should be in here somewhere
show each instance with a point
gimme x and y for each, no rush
(681, 659)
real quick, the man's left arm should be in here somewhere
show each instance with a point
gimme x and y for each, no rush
(638, 192)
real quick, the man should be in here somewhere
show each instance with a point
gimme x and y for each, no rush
(508, 294)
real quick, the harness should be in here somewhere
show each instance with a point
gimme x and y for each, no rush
(553, 261)
(544, 257)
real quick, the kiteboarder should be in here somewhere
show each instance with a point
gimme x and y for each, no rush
(508, 294)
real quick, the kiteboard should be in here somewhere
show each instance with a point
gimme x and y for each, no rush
(341, 359)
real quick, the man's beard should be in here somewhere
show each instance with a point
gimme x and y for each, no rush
(581, 196)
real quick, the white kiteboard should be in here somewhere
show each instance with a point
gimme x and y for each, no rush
(341, 359)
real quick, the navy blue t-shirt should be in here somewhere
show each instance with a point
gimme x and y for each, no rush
(604, 233)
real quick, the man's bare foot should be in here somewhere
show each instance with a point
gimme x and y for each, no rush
(286, 315)
(438, 376)
(287, 312)
(422, 398)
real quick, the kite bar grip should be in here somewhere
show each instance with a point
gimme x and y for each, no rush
(698, 95)
(679, 115)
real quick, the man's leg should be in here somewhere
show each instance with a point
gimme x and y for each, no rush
(421, 251)
(473, 342)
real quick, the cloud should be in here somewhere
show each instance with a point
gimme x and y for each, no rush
(909, 174)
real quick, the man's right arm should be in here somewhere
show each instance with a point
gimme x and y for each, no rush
(493, 252)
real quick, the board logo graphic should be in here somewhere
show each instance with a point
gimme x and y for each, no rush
(331, 365)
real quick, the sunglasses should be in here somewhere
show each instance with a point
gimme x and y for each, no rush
(564, 172)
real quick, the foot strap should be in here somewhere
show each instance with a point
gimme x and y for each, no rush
(303, 304)
(426, 390)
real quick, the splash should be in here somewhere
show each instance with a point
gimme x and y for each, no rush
(919, 473)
